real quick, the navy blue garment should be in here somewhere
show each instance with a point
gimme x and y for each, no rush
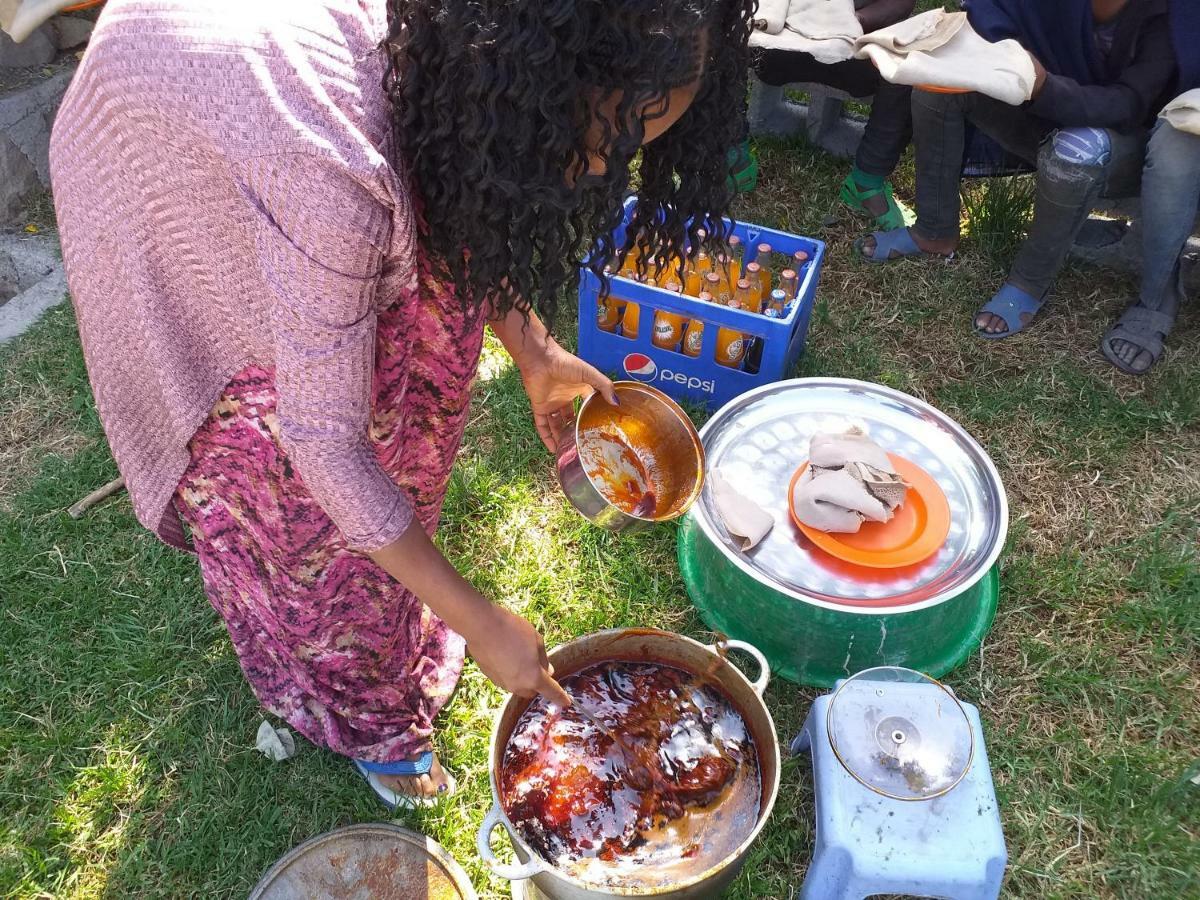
(1060, 33)
(1185, 34)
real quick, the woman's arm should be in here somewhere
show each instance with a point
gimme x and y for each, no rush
(321, 243)
(553, 377)
(883, 13)
(506, 648)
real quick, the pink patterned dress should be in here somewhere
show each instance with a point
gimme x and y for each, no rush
(327, 639)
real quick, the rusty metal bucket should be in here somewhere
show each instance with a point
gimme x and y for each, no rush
(372, 861)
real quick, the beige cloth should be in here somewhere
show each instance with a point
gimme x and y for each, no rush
(825, 29)
(942, 49)
(770, 17)
(20, 18)
(1184, 112)
(746, 521)
(849, 480)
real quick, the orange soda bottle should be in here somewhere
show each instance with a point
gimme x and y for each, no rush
(696, 270)
(743, 298)
(760, 287)
(731, 347)
(608, 312)
(735, 258)
(668, 326)
(719, 288)
(763, 258)
(799, 258)
(631, 317)
(731, 344)
(777, 304)
(694, 337)
(789, 283)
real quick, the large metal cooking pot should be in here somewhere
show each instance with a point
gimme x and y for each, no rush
(654, 646)
(368, 861)
(818, 619)
(658, 432)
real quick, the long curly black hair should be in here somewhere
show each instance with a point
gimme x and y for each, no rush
(493, 100)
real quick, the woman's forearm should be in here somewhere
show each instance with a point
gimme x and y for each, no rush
(416, 562)
(883, 13)
(520, 338)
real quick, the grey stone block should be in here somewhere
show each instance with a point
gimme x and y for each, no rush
(36, 50)
(18, 179)
(41, 281)
(71, 31)
(10, 281)
(26, 116)
(822, 119)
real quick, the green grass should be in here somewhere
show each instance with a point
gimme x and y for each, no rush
(126, 730)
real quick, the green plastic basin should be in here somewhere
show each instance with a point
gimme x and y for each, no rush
(817, 643)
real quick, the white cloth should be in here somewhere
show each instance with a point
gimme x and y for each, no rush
(849, 480)
(746, 521)
(770, 16)
(20, 18)
(943, 50)
(277, 744)
(1184, 112)
(825, 29)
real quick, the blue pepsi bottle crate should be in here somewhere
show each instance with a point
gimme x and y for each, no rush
(700, 378)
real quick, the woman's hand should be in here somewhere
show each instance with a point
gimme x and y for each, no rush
(553, 377)
(553, 380)
(511, 653)
(507, 648)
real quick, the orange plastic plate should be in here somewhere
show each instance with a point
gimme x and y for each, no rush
(916, 531)
(935, 89)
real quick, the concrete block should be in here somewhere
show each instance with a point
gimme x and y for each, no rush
(71, 31)
(18, 179)
(36, 50)
(41, 281)
(26, 116)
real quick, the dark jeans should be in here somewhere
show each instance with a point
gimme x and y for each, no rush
(889, 127)
(1066, 190)
(1170, 195)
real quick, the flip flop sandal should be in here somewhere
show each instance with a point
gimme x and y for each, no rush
(422, 765)
(744, 165)
(854, 198)
(1010, 304)
(1142, 327)
(900, 242)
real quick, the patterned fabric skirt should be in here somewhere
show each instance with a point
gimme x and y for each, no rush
(327, 639)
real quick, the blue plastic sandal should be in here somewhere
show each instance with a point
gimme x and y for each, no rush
(900, 241)
(407, 768)
(1010, 304)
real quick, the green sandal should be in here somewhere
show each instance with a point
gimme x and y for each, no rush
(897, 216)
(743, 165)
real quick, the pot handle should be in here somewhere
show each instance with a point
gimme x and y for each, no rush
(513, 872)
(764, 674)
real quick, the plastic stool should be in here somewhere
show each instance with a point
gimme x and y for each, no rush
(950, 846)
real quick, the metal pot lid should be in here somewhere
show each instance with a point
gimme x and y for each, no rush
(366, 862)
(900, 733)
(757, 442)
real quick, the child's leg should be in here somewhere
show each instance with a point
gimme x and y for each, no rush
(939, 132)
(1074, 168)
(1075, 165)
(1170, 196)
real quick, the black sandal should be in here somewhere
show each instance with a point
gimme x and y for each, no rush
(1144, 328)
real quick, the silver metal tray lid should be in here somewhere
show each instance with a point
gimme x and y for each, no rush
(757, 442)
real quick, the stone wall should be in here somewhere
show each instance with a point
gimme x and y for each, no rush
(33, 77)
